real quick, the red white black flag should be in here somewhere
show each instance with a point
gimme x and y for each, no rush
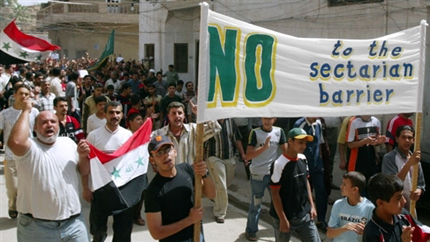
(17, 47)
(120, 177)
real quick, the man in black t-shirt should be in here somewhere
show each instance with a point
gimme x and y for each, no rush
(292, 206)
(169, 203)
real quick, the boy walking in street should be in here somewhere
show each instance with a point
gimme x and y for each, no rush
(350, 214)
(292, 206)
(265, 145)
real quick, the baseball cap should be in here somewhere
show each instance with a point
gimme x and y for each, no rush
(298, 133)
(156, 143)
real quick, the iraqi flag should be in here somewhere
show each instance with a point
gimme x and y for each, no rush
(421, 232)
(17, 47)
(120, 178)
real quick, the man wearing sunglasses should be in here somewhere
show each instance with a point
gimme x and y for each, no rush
(169, 203)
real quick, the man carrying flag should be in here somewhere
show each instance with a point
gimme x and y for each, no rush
(17, 47)
(115, 191)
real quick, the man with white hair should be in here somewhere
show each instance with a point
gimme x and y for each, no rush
(48, 188)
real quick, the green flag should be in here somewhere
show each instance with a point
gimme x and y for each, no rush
(106, 52)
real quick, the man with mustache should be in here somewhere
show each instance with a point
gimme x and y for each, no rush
(48, 188)
(107, 138)
(8, 118)
(69, 126)
(182, 135)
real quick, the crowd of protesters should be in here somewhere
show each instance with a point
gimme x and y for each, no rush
(290, 161)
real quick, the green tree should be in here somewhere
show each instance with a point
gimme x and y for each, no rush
(10, 3)
(21, 13)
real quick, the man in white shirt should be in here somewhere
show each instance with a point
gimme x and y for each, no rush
(56, 87)
(97, 119)
(107, 139)
(114, 81)
(3, 81)
(8, 118)
(48, 188)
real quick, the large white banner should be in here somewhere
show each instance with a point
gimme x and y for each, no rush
(249, 71)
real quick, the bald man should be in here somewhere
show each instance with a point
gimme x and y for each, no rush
(48, 188)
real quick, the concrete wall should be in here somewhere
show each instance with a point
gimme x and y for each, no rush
(178, 21)
(126, 41)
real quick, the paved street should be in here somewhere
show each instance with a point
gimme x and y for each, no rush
(231, 230)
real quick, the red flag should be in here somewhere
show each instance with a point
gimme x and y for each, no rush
(17, 47)
(121, 177)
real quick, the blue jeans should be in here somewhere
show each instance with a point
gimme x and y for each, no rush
(305, 227)
(258, 184)
(30, 229)
(317, 183)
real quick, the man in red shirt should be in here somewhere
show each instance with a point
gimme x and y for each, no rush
(69, 126)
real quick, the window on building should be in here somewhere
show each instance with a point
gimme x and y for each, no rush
(149, 55)
(181, 58)
(112, 6)
(333, 3)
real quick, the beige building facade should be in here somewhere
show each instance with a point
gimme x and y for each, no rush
(84, 26)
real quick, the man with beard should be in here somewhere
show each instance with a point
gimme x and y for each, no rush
(107, 138)
(48, 188)
(8, 118)
(69, 126)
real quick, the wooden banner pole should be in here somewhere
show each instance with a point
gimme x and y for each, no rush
(198, 179)
(415, 167)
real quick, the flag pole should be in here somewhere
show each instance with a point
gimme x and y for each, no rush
(198, 179)
(415, 167)
(202, 79)
(418, 116)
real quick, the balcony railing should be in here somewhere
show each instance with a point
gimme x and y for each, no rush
(81, 7)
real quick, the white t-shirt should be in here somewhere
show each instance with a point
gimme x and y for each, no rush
(48, 186)
(116, 85)
(4, 79)
(8, 118)
(56, 87)
(94, 123)
(71, 90)
(108, 141)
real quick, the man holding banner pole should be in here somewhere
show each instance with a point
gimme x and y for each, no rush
(169, 203)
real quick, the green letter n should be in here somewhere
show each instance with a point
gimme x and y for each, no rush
(223, 78)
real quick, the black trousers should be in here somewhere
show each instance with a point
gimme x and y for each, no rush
(122, 224)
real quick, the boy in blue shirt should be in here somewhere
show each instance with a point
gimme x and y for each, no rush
(350, 214)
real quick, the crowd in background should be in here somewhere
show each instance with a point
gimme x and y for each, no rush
(78, 97)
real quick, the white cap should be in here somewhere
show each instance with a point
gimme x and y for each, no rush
(152, 70)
